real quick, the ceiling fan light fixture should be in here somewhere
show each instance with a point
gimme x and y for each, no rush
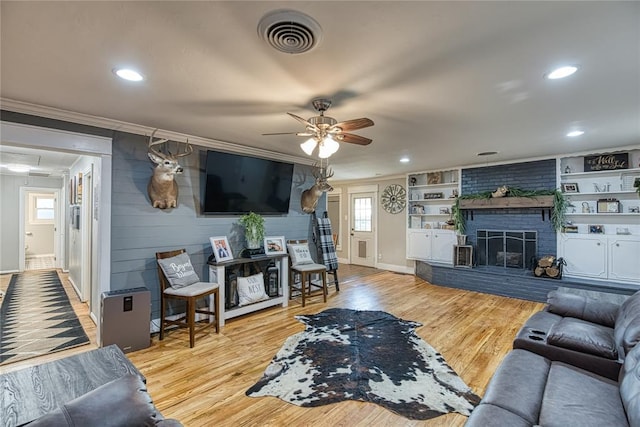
(308, 146)
(330, 144)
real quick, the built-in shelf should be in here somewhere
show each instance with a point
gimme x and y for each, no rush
(601, 173)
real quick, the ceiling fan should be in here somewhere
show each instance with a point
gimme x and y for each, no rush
(326, 132)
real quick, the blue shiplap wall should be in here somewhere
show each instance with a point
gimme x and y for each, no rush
(138, 230)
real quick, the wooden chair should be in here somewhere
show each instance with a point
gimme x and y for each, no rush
(306, 272)
(190, 294)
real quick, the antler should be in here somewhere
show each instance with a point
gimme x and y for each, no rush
(328, 173)
(156, 142)
(188, 150)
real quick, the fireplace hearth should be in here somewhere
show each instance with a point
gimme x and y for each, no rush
(506, 248)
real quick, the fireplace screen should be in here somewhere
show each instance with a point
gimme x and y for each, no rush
(513, 249)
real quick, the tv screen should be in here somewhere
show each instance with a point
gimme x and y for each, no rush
(237, 184)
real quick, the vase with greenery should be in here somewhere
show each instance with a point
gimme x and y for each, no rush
(253, 224)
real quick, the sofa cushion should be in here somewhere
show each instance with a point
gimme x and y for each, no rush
(518, 384)
(630, 386)
(586, 337)
(574, 397)
(121, 402)
(627, 329)
(582, 307)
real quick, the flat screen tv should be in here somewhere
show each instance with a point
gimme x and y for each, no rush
(237, 184)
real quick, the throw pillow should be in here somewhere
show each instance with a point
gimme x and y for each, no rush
(299, 254)
(179, 271)
(251, 289)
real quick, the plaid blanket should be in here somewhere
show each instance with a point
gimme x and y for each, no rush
(326, 243)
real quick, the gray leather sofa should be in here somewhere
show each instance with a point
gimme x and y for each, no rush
(121, 402)
(530, 390)
(583, 332)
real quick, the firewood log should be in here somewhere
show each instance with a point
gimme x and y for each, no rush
(546, 261)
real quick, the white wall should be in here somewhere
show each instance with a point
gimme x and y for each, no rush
(10, 217)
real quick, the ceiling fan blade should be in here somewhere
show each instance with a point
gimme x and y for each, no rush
(301, 120)
(352, 139)
(290, 133)
(354, 124)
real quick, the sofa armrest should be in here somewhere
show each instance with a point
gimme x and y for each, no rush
(121, 402)
(581, 307)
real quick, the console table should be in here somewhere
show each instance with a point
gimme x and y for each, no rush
(217, 274)
(29, 393)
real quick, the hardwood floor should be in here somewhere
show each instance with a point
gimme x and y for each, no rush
(205, 385)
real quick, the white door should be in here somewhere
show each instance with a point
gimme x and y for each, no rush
(362, 239)
(87, 236)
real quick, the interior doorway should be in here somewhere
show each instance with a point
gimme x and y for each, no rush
(362, 241)
(39, 228)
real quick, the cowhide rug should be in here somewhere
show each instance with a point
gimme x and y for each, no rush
(371, 356)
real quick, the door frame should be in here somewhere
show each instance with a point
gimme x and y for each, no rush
(19, 134)
(57, 222)
(356, 189)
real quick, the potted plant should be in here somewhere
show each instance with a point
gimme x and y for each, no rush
(253, 224)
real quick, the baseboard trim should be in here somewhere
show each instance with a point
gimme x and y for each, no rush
(395, 268)
(9, 271)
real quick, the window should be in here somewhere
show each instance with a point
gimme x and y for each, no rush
(42, 208)
(362, 214)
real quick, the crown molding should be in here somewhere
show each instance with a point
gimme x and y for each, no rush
(120, 126)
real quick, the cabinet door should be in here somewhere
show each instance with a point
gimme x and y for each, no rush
(419, 245)
(586, 256)
(442, 246)
(624, 259)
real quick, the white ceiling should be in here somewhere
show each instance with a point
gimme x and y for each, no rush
(442, 81)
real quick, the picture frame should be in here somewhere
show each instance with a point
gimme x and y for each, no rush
(570, 187)
(608, 206)
(275, 245)
(221, 248)
(596, 229)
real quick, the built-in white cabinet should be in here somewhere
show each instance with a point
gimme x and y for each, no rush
(585, 255)
(595, 256)
(624, 258)
(431, 245)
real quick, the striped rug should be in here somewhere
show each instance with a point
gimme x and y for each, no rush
(36, 318)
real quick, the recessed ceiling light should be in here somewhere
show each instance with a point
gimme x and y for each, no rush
(575, 133)
(487, 153)
(128, 74)
(404, 160)
(562, 72)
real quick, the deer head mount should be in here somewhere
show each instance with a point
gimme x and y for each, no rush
(162, 188)
(310, 196)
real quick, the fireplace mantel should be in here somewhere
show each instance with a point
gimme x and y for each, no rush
(508, 202)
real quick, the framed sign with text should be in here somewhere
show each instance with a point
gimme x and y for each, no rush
(602, 162)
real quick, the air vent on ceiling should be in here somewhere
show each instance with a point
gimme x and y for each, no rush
(290, 31)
